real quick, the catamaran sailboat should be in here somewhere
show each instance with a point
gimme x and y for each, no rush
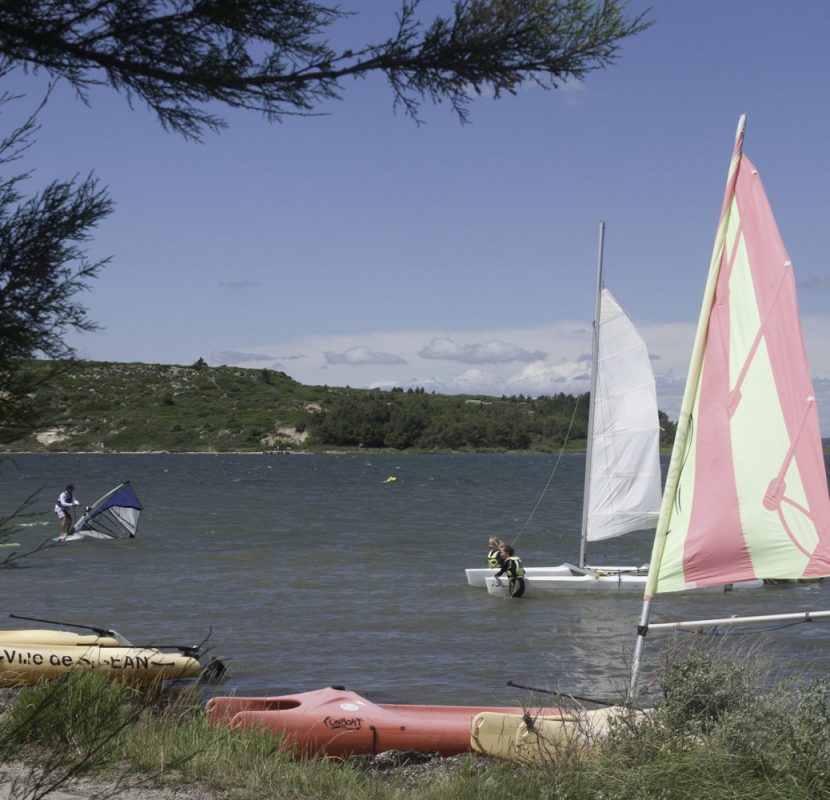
(622, 463)
(746, 492)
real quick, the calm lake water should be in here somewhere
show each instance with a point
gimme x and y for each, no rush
(313, 570)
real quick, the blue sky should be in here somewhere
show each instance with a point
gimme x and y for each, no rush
(359, 249)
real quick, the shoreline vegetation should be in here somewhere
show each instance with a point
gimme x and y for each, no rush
(721, 727)
(110, 407)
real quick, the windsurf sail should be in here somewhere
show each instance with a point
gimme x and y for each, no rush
(114, 516)
(746, 493)
(624, 484)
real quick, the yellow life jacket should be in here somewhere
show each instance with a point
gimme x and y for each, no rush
(518, 570)
(493, 558)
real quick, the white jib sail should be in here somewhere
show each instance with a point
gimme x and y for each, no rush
(624, 484)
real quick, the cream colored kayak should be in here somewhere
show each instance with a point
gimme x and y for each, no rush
(22, 663)
(540, 740)
(64, 638)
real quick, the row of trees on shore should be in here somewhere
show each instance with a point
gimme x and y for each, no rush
(413, 419)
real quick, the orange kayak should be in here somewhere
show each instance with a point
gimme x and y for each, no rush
(337, 722)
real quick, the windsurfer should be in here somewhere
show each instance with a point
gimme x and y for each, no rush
(512, 565)
(66, 501)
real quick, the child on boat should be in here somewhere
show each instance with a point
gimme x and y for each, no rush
(494, 558)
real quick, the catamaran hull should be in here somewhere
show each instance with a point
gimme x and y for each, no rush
(24, 664)
(336, 722)
(621, 582)
(478, 577)
(45, 636)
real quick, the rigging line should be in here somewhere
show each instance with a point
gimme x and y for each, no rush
(564, 695)
(552, 473)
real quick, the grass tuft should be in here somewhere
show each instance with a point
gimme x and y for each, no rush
(70, 712)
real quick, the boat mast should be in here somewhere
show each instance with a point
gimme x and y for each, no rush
(594, 356)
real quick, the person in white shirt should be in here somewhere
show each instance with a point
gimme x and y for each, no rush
(63, 507)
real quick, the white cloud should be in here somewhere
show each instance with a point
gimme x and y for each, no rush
(361, 356)
(542, 378)
(475, 381)
(237, 357)
(356, 360)
(493, 351)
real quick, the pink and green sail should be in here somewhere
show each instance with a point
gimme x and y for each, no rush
(746, 493)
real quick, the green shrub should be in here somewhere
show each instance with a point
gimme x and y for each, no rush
(723, 728)
(701, 688)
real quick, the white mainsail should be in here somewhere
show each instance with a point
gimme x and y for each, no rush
(624, 488)
(622, 460)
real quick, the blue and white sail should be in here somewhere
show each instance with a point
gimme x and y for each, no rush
(114, 516)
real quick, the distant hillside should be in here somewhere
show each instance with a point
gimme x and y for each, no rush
(104, 407)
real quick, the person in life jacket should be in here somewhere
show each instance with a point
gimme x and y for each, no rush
(63, 507)
(494, 558)
(512, 566)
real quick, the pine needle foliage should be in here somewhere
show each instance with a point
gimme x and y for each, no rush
(44, 267)
(275, 56)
